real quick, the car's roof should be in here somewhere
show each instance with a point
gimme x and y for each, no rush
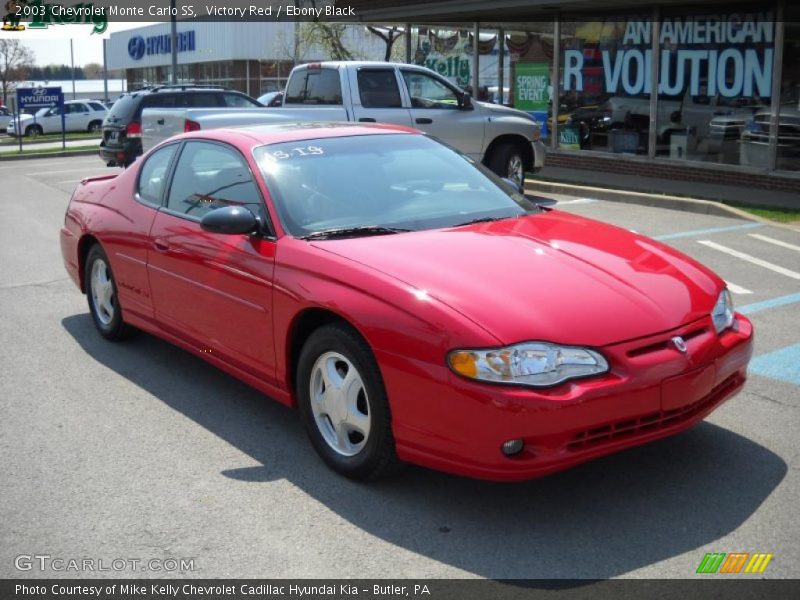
(256, 135)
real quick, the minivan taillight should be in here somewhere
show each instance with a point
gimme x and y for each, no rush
(190, 125)
(134, 130)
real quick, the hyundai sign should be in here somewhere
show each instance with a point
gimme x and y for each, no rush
(39, 97)
(139, 47)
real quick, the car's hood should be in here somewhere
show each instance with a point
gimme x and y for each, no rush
(553, 276)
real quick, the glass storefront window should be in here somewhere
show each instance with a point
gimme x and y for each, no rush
(788, 155)
(716, 86)
(604, 102)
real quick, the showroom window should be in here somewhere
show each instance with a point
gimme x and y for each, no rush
(788, 152)
(715, 83)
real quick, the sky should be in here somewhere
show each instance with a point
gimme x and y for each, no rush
(52, 47)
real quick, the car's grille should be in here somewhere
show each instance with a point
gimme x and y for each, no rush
(665, 343)
(650, 422)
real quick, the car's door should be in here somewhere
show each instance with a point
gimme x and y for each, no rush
(80, 115)
(376, 97)
(128, 247)
(213, 290)
(435, 110)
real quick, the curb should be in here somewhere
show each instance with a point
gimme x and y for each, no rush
(63, 153)
(693, 205)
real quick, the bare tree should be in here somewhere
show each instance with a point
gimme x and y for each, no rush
(16, 60)
(389, 35)
(331, 37)
(93, 70)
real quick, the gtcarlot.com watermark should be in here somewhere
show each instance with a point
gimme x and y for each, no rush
(59, 564)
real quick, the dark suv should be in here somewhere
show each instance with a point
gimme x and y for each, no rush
(122, 128)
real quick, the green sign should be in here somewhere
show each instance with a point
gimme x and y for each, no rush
(532, 86)
(569, 137)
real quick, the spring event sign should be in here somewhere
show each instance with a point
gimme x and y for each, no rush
(532, 86)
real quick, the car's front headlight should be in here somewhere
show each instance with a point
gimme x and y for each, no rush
(723, 311)
(536, 364)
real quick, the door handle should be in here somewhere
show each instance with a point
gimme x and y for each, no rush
(161, 245)
(424, 121)
(367, 120)
(160, 121)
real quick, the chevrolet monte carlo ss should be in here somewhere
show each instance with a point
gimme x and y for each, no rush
(413, 307)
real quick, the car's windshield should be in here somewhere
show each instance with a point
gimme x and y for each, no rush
(397, 181)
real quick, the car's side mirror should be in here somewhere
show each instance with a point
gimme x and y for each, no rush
(541, 201)
(230, 220)
(465, 101)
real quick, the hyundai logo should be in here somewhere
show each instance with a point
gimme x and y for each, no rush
(136, 47)
(39, 91)
(679, 344)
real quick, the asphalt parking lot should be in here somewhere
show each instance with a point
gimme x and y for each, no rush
(142, 451)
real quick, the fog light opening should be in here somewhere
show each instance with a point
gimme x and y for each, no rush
(512, 447)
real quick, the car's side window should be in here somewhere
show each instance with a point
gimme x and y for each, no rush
(237, 101)
(428, 92)
(210, 175)
(96, 106)
(153, 176)
(378, 88)
(204, 99)
(314, 86)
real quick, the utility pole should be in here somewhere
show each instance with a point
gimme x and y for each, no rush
(72, 65)
(174, 40)
(105, 72)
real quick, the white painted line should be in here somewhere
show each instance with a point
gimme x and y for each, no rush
(737, 289)
(578, 201)
(751, 259)
(770, 240)
(50, 172)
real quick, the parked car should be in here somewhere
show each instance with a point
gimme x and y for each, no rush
(272, 99)
(5, 117)
(122, 129)
(413, 306)
(79, 115)
(504, 139)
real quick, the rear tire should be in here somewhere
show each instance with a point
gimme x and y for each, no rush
(508, 161)
(95, 127)
(101, 292)
(343, 404)
(34, 131)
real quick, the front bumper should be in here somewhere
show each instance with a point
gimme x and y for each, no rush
(652, 391)
(538, 155)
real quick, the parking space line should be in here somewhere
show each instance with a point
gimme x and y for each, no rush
(783, 364)
(751, 259)
(709, 231)
(737, 289)
(770, 240)
(749, 309)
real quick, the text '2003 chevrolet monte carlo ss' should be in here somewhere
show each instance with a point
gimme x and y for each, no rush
(413, 306)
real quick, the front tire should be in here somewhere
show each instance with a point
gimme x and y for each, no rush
(507, 161)
(34, 131)
(101, 292)
(343, 404)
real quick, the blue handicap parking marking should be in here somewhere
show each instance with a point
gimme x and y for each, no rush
(708, 231)
(749, 309)
(783, 364)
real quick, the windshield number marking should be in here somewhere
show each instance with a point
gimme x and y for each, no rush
(298, 151)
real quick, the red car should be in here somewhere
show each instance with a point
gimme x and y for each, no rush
(410, 304)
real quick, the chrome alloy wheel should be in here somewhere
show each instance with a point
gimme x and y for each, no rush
(516, 170)
(102, 290)
(340, 404)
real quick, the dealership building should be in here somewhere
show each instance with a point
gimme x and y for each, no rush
(697, 91)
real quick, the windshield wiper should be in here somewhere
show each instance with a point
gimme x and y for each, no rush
(364, 230)
(484, 220)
